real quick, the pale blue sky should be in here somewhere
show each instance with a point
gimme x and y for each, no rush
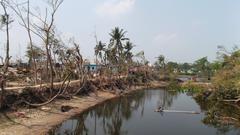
(182, 30)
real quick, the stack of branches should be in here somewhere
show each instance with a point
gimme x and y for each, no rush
(36, 97)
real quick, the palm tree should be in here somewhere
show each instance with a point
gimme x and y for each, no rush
(161, 64)
(118, 52)
(99, 50)
(128, 54)
(161, 61)
(117, 36)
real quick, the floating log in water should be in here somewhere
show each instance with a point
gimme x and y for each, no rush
(177, 111)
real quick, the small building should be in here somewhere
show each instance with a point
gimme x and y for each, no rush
(92, 67)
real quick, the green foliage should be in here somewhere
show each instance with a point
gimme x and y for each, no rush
(227, 77)
(185, 68)
(174, 85)
(99, 50)
(202, 67)
(160, 63)
(217, 113)
(193, 87)
(36, 53)
(172, 67)
(117, 53)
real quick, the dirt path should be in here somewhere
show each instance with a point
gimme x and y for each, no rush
(40, 120)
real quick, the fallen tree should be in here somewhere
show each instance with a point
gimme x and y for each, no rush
(42, 95)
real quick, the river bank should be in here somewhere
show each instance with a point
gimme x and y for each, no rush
(134, 115)
(40, 120)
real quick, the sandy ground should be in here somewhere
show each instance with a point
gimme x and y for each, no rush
(40, 120)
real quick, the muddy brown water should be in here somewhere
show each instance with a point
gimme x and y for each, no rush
(134, 115)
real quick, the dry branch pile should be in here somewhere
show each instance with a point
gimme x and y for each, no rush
(35, 97)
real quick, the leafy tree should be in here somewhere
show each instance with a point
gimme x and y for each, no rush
(215, 66)
(34, 53)
(185, 67)
(172, 66)
(202, 67)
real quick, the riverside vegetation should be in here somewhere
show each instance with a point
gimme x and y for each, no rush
(56, 68)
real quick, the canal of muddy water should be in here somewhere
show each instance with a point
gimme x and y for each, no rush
(134, 115)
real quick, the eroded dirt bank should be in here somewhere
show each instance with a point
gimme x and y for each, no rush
(39, 121)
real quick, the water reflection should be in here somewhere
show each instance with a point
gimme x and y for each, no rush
(135, 114)
(225, 117)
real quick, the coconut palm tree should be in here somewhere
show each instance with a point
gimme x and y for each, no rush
(128, 54)
(161, 64)
(116, 42)
(99, 50)
(161, 61)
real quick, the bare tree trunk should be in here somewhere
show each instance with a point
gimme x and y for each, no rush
(2, 101)
(49, 60)
(55, 5)
(7, 48)
(7, 58)
(31, 43)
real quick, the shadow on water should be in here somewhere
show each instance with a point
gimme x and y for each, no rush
(134, 114)
(222, 116)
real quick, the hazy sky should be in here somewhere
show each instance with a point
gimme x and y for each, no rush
(182, 30)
